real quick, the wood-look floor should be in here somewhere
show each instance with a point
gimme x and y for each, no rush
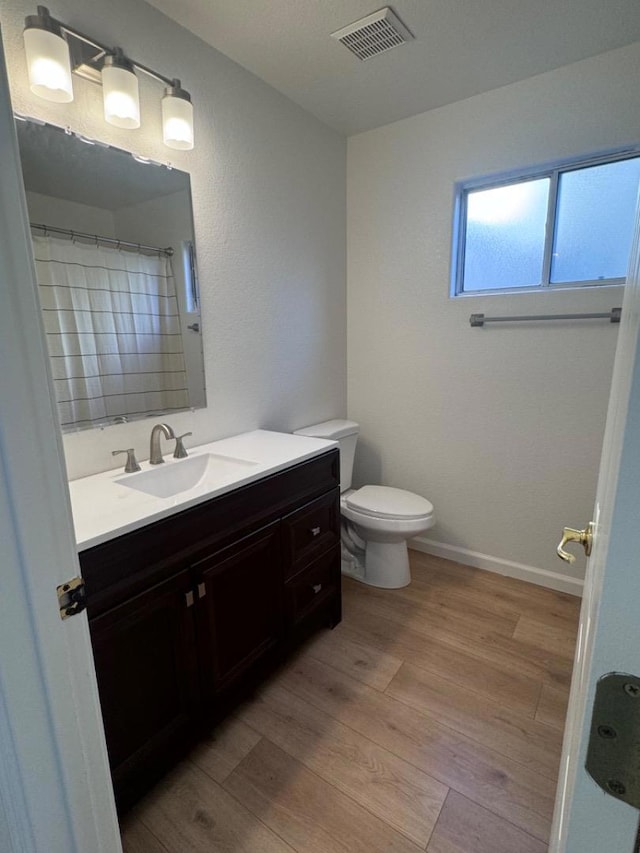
(430, 719)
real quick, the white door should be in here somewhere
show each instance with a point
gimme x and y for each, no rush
(587, 820)
(55, 787)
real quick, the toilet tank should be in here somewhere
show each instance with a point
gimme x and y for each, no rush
(346, 434)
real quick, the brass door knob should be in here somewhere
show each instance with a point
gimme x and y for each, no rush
(584, 537)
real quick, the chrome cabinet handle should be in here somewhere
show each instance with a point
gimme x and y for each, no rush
(583, 537)
(315, 531)
(316, 588)
(190, 597)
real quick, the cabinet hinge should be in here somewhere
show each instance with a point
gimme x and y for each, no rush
(72, 597)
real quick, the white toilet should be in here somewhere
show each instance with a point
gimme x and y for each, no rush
(377, 521)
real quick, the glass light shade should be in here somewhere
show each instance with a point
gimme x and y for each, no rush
(121, 97)
(177, 120)
(48, 65)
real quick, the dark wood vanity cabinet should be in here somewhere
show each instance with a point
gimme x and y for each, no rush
(240, 620)
(187, 614)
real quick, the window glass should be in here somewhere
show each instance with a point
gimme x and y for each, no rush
(553, 227)
(594, 221)
(505, 234)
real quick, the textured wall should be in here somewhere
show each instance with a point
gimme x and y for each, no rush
(69, 214)
(500, 427)
(268, 185)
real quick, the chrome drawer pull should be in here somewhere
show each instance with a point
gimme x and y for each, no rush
(316, 588)
(315, 531)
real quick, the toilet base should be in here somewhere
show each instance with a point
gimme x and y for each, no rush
(386, 566)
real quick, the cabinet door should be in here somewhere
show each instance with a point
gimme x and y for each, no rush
(145, 657)
(240, 614)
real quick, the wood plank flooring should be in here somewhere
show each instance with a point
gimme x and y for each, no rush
(430, 719)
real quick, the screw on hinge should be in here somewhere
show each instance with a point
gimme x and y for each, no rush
(616, 787)
(607, 732)
(632, 690)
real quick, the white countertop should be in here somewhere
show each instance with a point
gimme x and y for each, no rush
(104, 508)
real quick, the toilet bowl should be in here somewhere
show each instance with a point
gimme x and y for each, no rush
(376, 521)
(384, 519)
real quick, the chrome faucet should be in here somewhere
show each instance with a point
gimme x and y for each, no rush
(155, 451)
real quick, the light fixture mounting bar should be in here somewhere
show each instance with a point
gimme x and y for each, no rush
(82, 37)
(168, 81)
(86, 62)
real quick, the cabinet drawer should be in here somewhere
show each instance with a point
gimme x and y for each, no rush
(314, 587)
(311, 531)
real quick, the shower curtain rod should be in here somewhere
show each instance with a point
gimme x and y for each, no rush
(613, 316)
(126, 244)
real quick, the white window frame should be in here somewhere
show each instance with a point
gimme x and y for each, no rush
(551, 171)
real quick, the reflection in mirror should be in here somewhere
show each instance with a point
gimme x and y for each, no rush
(115, 265)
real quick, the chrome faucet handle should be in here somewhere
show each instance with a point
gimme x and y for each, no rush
(132, 463)
(181, 451)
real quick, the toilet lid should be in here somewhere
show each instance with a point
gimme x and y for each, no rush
(387, 502)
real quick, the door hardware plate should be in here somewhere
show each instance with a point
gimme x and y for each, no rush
(72, 597)
(613, 756)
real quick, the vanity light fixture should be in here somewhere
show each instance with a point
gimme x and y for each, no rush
(54, 50)
(120, 91)
(48, 60)
(177, 117)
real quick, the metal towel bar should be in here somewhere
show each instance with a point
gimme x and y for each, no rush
(613, 316)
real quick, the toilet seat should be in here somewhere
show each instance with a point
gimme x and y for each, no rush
(388, 502)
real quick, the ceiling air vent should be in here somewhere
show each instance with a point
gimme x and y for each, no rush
(374, 34)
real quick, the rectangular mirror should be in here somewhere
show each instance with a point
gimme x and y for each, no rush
(116, 270)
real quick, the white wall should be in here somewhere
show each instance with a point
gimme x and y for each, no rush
(268, 183)
(500, 427)
(48, 210)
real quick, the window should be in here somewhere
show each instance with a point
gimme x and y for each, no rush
(563, 227)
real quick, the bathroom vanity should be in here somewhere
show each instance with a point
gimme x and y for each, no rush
(190, 608)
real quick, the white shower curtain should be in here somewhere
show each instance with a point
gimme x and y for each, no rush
(113, 330)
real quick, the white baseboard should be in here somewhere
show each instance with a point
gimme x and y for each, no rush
(531, 574)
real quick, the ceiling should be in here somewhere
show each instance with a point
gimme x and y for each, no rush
(61, 165)
(461, 48)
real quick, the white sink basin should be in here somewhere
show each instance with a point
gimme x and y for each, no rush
(172, 478)
(112, 503)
